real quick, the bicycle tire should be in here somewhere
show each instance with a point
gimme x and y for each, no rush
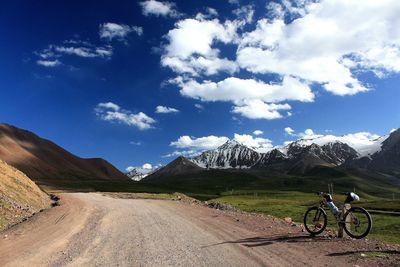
(318, 213)
(355, 220)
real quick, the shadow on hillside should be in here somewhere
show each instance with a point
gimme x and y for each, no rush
(265, 241)
(363, 251)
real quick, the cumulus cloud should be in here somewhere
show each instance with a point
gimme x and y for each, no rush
(257, 109)
(108, 105)
(163, 109)
(201, 143)
(326, 42)
(304, 43)
(113, 113)
(261, 145)
(195, 65)
(258, 132)
(289, 131)
(235, 89)
(159, 8)
(147, 166)
(189, 49)
(110, 31)
(252, 98)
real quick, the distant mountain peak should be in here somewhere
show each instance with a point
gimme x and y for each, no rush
(230, 144)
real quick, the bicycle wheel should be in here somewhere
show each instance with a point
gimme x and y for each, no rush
(315, 220)
(357, 222)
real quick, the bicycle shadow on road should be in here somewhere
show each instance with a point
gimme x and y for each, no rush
(265, 241)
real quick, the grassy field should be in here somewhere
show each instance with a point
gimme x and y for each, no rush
(293, 204)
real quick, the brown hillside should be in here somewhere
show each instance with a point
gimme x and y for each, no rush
(45, 162)
(19, 196)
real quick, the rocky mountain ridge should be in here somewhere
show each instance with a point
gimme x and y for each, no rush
(300, 156)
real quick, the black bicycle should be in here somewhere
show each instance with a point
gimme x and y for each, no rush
(356, 221)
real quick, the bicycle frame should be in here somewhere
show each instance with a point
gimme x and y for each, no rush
(342, 211)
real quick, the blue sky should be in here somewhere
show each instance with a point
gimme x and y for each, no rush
(89, 75)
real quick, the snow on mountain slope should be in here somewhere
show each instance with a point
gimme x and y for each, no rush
(232, 154)
(137, 174)
(325, 149)
(364, 143)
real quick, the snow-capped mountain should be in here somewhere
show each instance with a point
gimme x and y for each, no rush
(235, 155)
(137, 173)
(335, 153)
(386, 157)
(364, 146)
(232, 154)
(299, 155)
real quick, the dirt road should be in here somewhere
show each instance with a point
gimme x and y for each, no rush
(93, 230)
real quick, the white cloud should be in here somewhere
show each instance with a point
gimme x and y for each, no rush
(113, 113)
(235, 89)
(147, 166)
(257, 109)
(319, 45)
(258, 132)
(108, 105)
(261, 145)
(309, 134)
(289, 131)
(159, 8)
(196, 65)
(191, 36)
(252, 98)
(201, 143)
(110, 31)
(48, 63)
(51, 55)
(135, 143)
(303, 42)
(212, 11)
(186, 153)
(189, 47)
(199, 106)
(163, 109)
(88, 52)
(245, 13)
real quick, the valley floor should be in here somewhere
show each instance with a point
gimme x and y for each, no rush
(90, 229)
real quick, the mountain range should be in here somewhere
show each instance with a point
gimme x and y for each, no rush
(296, 158)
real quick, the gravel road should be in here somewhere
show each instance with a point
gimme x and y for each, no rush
(90, 229)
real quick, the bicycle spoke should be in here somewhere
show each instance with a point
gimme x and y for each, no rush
(358, 223)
